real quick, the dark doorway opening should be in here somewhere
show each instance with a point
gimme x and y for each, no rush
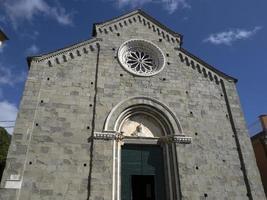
(143, 187)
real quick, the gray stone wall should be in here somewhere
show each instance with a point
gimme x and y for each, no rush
(24, 125)
(68, 98)
(50, 148)
(247, 159)
(210, 166)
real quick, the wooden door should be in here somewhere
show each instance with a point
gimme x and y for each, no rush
(142, 173)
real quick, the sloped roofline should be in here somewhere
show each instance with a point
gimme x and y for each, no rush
(208, 65)
(61, 50)
(141, 12)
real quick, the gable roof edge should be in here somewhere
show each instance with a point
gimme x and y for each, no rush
(144, 14)
(41, 57)
(210, 67)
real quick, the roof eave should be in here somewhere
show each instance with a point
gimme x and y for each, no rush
(144, 14)
(34, 57)
(160, 24)
(226, 76)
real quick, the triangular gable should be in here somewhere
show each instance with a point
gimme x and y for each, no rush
(137, 16)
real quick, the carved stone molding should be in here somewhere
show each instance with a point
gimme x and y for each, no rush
(181, 139)
(105, 135)
(178, 139)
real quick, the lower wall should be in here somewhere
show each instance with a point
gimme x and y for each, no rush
(7, 194)
(100, 177)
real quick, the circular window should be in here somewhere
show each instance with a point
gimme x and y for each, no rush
(141, 57)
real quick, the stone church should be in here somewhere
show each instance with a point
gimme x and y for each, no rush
(129, 115)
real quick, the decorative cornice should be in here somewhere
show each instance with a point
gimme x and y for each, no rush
(105, 135)
(202, 67)
(63, 53)
(181, 139)
(178, 139)
(138, 16)
(109, 135)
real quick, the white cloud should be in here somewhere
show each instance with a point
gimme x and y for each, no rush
(8, 111)
(8, 115)
(132, 3)
(9, 77)
(20, 10)
(170, 5)
(228, 37)
(32, 35)
(33, 49)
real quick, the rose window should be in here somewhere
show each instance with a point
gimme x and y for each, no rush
(141, 57)
(140, 62)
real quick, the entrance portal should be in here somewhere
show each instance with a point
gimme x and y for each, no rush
(142, 173)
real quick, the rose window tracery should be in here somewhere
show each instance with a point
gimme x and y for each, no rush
(141, 57)
(140, 62)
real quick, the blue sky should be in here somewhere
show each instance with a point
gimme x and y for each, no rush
(229, 35)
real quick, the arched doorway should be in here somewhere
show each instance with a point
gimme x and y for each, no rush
(148, 163)
(143, 170)
(145, 133)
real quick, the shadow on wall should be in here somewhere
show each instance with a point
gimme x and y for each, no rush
(5, 139)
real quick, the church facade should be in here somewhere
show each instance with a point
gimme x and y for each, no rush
(129, 115)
